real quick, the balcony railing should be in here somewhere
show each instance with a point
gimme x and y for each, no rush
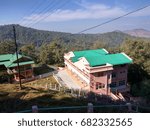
(78, 70)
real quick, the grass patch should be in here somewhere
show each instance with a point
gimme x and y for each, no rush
(12, 99)
(44, 81)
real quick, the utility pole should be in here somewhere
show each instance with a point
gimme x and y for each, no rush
(14, 31)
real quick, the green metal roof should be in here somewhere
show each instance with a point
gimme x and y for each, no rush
(101, 57)
(21, 63)
(8, 60)
(88, 53)
(14, 57)
(4, 63)
(5, 57)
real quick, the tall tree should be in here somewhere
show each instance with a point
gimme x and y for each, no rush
(99, 44)
(30, 50)
(139, 51)
(139, 71)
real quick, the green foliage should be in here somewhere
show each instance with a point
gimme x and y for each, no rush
(136, 74)
(145, 89)
(51, 53)
(139, 71)
(38, 37)
(139, 51)
(7, 47)
(141, 89)
(30, 50)
(99, 44)
(45, 56)
(135, 90)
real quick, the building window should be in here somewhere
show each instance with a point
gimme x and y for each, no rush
(122, 72)
(100, 74)
(114, 75)
(109, 75)
(113, 85)
(99, 86)
(122, 82)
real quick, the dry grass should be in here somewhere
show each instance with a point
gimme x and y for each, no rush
(9, 88)
(29, 90)
(12, 99)
(32, 84)
(40, 83)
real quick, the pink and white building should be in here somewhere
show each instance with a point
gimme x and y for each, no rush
(99, 71)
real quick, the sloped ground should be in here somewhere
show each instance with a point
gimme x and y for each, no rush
(12, 99)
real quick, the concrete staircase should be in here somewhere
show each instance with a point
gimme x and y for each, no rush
(117, 96)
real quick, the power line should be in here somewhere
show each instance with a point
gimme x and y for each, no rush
(61, 6)
(109, 21)
(112, 19)
(40, 18)
(44, 10)
(34, 9)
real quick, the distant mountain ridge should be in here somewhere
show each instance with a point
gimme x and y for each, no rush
(27, 35)
(138, 33)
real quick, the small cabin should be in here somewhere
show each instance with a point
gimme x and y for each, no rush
(9, 66)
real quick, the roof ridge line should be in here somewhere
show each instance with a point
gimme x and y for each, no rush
(127, 56)
(105, 50)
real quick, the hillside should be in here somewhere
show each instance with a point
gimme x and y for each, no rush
(29, 35)
(138, 33)
(14, 100)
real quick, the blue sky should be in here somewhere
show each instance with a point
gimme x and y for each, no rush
(75, 15)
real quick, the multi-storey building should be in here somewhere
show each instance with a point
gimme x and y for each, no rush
(99, 71)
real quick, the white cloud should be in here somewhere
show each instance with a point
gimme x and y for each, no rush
(93, 11)
(87, 11)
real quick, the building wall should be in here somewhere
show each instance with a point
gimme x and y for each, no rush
(77, 71)
(81, 64)
(106, 78)
(99, 79)
(26, 71)
(119, 74)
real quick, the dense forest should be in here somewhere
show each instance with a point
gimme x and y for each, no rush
(38, 37)
(49, 47)
(139, 71)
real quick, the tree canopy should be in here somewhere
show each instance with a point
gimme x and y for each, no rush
(139, 71)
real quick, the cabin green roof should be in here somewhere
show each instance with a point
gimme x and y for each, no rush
(101, 57)
(5, 57)
(21, 63)
(9, 60)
